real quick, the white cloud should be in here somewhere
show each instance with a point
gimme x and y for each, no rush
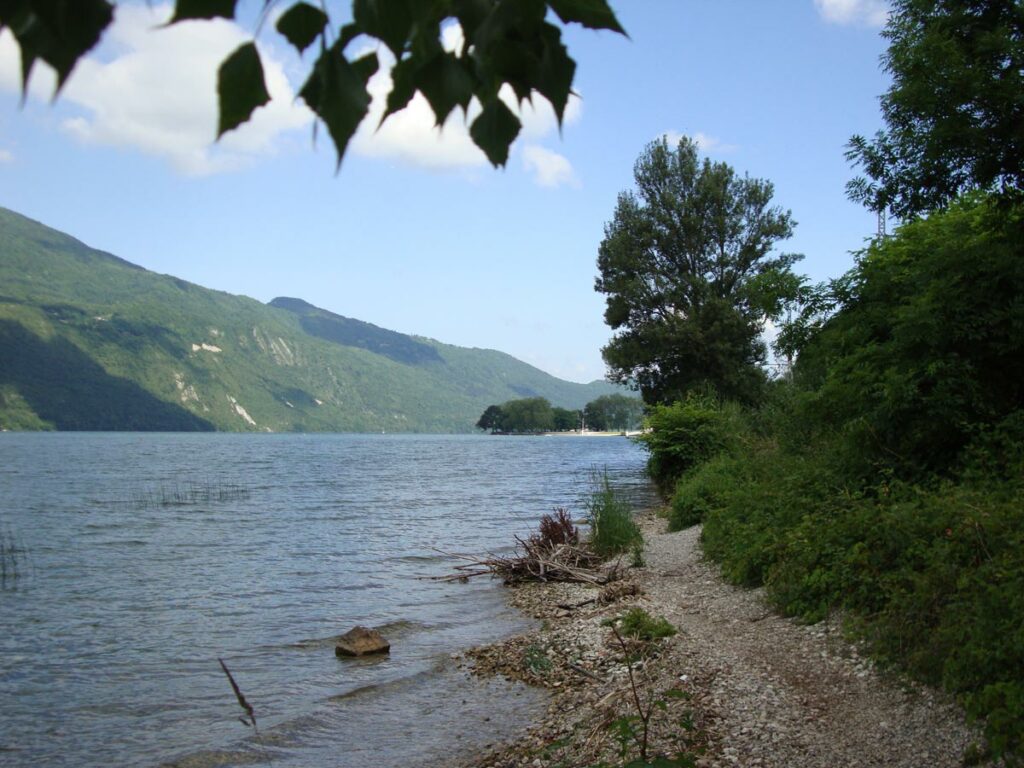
(549, 168)
(42, 80)
(153, 88)
(704, 142)
(872, 13)
(412, 136)
(155, 91)
(6, 157)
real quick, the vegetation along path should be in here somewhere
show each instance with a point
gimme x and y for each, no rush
(760, 689)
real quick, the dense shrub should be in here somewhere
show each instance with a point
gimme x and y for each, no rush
(685, 434)
(887, 480)
(928, 348)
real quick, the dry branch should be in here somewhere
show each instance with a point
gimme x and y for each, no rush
(554, 553)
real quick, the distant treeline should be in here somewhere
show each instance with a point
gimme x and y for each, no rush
(536, 414)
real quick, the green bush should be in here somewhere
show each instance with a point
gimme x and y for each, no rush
(928, 346)
(639, 624)
(685, 434)
(930, 576)
(703, 490)
(886, 481)
(612, 528)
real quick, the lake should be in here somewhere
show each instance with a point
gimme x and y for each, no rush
(143, 558)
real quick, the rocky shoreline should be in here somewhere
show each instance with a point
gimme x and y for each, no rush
(737, 685)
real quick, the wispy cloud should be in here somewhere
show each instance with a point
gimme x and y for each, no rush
(549, 169)
(704, 142)
(6, 157)
(870, 13)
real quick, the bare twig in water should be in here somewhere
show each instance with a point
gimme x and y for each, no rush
(241, 699)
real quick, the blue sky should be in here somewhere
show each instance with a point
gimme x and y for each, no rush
(417, 233)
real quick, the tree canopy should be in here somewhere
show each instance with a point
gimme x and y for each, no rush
(686, 267)
(506, 43)
(536, 414)
(955, 110)
(613, 412)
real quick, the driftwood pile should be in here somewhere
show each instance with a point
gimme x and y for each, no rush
(554, 553)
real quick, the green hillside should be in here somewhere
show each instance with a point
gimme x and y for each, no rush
(90, 341)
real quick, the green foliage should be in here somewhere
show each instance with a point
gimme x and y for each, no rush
(953, 111)
(355, 333)
(240, 87)
(612, 528)
(614, 412)
(507, 43)
(689, 281)
(566, 419)
(492, 419)
(58, 32)
(886, 482)
(930, 574)
(928, 347)
(530, 414)
(684, 434)
(640, 625)
(702, 490)
(536, 660)
(91, 341)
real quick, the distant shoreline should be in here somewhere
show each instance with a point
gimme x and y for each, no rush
(590, 433)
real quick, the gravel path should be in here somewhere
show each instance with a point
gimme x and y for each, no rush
(761, 691)
(785, 694)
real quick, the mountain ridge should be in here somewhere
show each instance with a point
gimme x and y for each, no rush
(89, 340)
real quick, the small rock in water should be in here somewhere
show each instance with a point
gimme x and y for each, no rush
(360, 641)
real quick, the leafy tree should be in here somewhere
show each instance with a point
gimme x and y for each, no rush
(507, 42)
(614, 412)
(531, 414)
(689, 281)
(566, 419)
(927, 351)
(955, 108)
(493, 419)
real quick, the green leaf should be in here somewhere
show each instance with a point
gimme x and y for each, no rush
(445, 82)
(403, 87)
(390, 21)
(203, 9)
(593, 14)
(557, 70)
(240, 87)
(494, 130)
(302, 24)
(336, 92)
(348, 33)
(59, 32)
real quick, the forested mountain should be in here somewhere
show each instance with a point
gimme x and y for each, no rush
(90, 341)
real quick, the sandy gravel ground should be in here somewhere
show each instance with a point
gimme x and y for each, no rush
(737, 686)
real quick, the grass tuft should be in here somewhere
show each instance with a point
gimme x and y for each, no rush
(612, 528)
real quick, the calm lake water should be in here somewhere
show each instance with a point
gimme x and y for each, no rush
(148, 556)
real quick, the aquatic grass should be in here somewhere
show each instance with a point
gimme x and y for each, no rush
(612, 528)
(187, 494)
(12, 559)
